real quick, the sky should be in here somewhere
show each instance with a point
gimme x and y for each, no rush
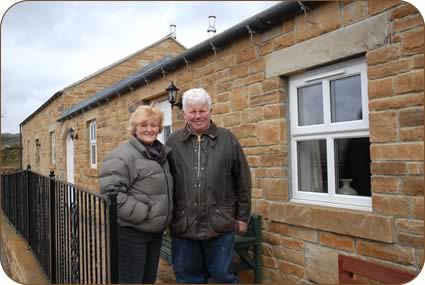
(49, 45)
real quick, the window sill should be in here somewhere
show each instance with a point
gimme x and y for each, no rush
(337, 220)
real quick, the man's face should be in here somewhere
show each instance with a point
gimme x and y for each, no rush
(198, 117)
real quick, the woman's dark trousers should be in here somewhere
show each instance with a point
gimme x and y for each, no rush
(138, 255)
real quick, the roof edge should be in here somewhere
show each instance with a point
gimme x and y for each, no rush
(59, 93)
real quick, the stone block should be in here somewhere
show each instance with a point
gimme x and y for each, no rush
(246, 55)
(388, 168)
(390, 252)
(336, 241)
(418, 61)
(375, 7)
(417, 207)
(339, 221)
(383, 126)
(244, 131)
(413, 41)
(388, 69)
(411, 117)
(397, 102)
(322, 20)
(289, 255)
(410, 226)
(412, 134)
(269, 262)
(410, 82)
(411, 240)
(273, 112)
(383, 55)
(275, 189)
(397, 151)
(272, 97)
(273, 160)
(252, 115)
(353, 12)
(291, 269)
(391, 205)
(292, 243)
(321, 264)
(404, 24)
(283, 41)
(256, 66)
(270, 133)
(403, 11)
(271, 238)
(254, 89)
(232, 119)
(381, 88)
(385, 184)
(412, 185)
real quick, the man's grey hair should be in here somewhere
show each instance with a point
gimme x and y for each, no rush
(196, 96)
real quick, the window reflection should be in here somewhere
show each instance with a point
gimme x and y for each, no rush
(312, 166)
(310, 105)
(346, 99)
(352, 166)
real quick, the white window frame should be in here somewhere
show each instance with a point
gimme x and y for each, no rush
(328, 131)
(53, 147)
(165, 107)
(93, 143)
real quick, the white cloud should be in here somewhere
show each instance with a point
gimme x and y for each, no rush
(48, 45)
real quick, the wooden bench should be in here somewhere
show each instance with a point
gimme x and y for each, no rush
(353, 270)
(247, 249)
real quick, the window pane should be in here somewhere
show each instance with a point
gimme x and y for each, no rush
(310, 105)
(93, 154)
(346, 99)
(312, 166)
(352, 166)
(167, 132)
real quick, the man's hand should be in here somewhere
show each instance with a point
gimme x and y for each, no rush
(241, 227)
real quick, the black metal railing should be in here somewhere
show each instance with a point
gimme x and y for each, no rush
(71, 231)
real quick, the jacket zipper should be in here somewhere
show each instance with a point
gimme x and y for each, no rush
(168, 197)
(199, 169)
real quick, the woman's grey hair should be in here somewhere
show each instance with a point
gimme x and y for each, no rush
(196, 96)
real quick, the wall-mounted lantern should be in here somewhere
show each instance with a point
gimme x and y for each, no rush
(72, 134)
(172, 96)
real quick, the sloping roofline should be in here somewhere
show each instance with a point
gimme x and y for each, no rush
(257, 23)
(59, 93)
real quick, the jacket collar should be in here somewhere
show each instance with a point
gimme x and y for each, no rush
(140, 147)
(212, 131)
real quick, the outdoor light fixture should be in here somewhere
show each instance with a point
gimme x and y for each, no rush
(172, 96)
(72, 134)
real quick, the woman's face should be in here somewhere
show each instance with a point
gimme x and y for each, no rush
(147, 131)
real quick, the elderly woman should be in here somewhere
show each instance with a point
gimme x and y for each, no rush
(139, 171)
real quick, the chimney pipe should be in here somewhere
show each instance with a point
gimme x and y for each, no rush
(173, 31)
(211, 26)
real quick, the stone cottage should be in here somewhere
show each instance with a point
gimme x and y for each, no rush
(325, 97)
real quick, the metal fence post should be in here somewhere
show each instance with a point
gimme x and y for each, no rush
(113, 239)
(52, 228)
(27, 174)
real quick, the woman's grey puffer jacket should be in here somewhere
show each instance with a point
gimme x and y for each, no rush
(144, 186)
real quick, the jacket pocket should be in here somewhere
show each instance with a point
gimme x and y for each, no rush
(222, 219)
(179, 222)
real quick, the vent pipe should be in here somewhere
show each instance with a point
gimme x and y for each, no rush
(173, 31)
(211, 26)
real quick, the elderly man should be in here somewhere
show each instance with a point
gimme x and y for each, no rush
(212, 201)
